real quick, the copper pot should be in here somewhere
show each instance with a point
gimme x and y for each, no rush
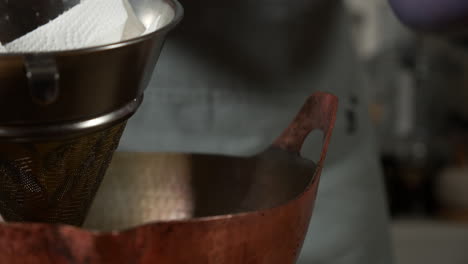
(192, 208)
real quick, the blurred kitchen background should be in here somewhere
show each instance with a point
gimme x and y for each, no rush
(420, 109)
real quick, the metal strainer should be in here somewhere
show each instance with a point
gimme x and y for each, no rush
(62, 113)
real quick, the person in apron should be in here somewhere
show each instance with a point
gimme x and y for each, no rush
(231, 78)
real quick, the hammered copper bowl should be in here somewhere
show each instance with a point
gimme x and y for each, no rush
(192, 208)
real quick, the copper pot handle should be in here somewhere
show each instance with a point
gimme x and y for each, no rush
(318, 112)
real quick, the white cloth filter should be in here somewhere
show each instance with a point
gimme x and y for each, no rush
(2, 49)
(90, 23)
